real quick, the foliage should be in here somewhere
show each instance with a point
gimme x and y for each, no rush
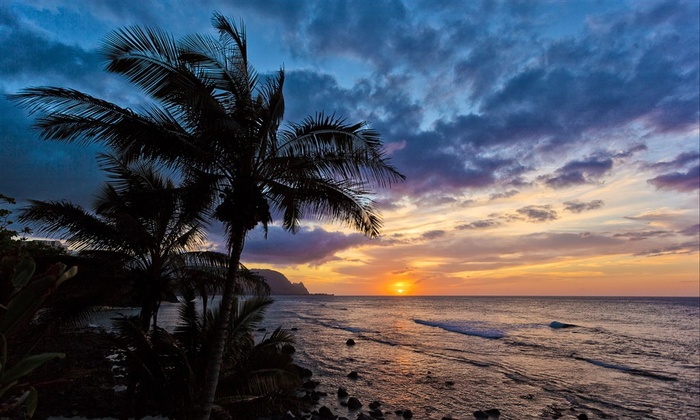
(22, 293)
(7, 235)
(142, 221)
(164, 370)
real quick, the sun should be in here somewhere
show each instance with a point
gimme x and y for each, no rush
(399, 291)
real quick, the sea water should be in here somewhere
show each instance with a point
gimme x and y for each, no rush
(528, 357)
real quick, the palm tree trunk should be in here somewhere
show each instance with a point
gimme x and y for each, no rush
(215, 358)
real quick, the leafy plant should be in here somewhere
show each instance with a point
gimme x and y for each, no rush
(22, 294)
(165, 370)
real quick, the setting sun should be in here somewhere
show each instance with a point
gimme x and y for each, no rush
(399, 291)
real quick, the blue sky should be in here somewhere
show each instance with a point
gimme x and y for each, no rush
(550, 147)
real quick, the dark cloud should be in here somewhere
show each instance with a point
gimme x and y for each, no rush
(679, 162)
(679, 181)
(538, 214)
(506, 194)
(44, 170)
(433, 234)
(579, 172)
(684, 248)
(693, 230)
(640, 236)
(579, 207)
(307, 246)
(480, 224)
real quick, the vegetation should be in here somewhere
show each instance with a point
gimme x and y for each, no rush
(22, 293)
(164, 370)
(219, 124)
(142, 221)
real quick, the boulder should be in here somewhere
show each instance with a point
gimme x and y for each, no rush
(480, 415)
(310, 384)
(350, 342)
(342, 392)
(354, 403)
(326, 413)
(288, 349)
(582, 416)
(377, 414)
(374, 405)
(407, 414)
(493, 412)
(353, 375)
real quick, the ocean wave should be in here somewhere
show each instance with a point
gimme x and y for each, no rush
(464, 328)
(626, 369)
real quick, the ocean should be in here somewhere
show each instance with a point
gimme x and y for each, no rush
(528, 357)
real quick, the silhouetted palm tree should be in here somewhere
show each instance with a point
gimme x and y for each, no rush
(140, 219)
(214, 119)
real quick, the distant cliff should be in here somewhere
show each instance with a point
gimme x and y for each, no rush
(279, 284)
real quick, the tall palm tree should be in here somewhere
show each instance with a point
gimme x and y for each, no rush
(214, 118)
(140, 219)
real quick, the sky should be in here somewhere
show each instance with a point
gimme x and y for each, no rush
(550, 147)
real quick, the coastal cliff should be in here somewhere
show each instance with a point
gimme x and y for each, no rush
(280, 284)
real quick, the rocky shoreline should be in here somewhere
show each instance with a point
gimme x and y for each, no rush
(88, 384)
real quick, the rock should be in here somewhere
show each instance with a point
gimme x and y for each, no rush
(294, 329)
(354, 403)
(480, 415)
(310, 384)
(288, 349)
(582, 416)
(316, 395)
(447, 417)
(449, 383)
(557, 325)
(407, 414)
(326, 413)
(376, 414)
(398, 412)
(304, 372)
(353, 375)
(494, 412)
(350, 342)
(374, 405)
(342, 392)
(363, 416)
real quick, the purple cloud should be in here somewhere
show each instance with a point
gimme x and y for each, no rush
(307, 246)
(678, 181)
(579, 207)
(538, 214)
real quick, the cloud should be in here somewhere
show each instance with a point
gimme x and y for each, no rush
(308, 246)
(480, 224)
(679, 162)
(578, 172)
(693, 230)
(678, 181)
(433, 234)
(640, 236)
(506, 194)
(579, 207)
(538, 214)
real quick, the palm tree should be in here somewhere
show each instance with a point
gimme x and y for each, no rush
(214, 118)
(163, 368)
(140, 219)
